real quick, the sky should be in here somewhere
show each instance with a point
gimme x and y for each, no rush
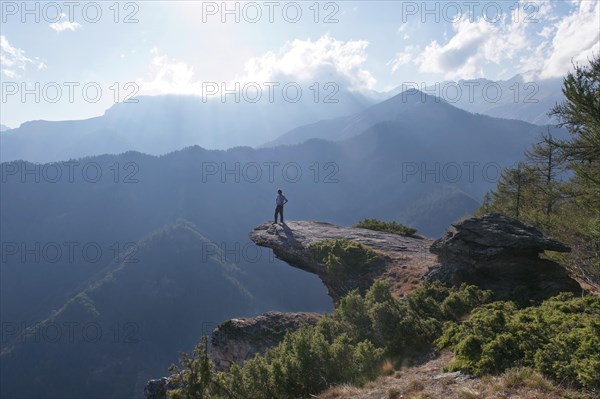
(73, 60)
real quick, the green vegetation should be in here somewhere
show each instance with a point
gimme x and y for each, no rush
(195, 378)
(347, 346)
(557, 187)
(560, 338)
(344, 256)
(388, 227)
(557, 339)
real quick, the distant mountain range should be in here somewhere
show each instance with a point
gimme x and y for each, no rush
(4, 128)
(519, 97)
(161, 124)
(411, 158)
(158, 125)
(412, 109)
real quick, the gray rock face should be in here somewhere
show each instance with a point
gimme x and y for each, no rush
(238, 340)
(405, 259)
(501, 254)
(157, 389)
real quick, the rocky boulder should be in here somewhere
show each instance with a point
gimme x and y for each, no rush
(238, 340)
(502, 254)
(158, 388)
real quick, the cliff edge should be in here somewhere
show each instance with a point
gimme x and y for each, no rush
(404, 260)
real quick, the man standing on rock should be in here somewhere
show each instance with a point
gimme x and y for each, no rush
(280, 201)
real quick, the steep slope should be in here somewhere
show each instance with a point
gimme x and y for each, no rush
(129, 323)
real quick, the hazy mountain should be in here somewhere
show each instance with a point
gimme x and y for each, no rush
(161, 124)
(413, 110)
(4, 128)
(521, 97)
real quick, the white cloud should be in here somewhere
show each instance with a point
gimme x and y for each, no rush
(13, 59)
(403, 58)
(168, 76)
(577, 37)
(305, 60)
(475, 44)
(63, 24)
(538, 42)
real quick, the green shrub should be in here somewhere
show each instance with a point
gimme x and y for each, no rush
(347, 346)
(560, 338)
(388, 227)
(195, 378)
(344, 256)
(303, 363)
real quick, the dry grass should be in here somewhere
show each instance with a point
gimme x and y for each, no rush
(341, 391)
(387, 368)
(424, 382)
(468, 393)
(526, 378)
(415, 385)
(393, 393)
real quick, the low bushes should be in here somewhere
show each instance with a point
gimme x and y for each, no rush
(560, 338)
(388, 227)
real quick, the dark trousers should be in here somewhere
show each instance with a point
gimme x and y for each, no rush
(279, 210)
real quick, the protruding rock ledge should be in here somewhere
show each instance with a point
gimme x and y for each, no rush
(238, 340)
(492, 251)
(405, 259)
(502, 254)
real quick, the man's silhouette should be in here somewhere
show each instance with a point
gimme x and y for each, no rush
(280, 201)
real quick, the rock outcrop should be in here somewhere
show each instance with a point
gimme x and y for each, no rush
(157, 389)
(238, 340)
(502, 254)
(405, 260)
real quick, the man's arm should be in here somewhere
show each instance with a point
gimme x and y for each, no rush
(285, 200)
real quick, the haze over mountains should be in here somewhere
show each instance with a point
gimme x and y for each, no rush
(157, 125)
(411, 158)
(517, 98)
(161, 124)
(520, 97)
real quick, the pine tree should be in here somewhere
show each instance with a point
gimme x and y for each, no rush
(547, 163)
(580, 114)
(513, 190)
